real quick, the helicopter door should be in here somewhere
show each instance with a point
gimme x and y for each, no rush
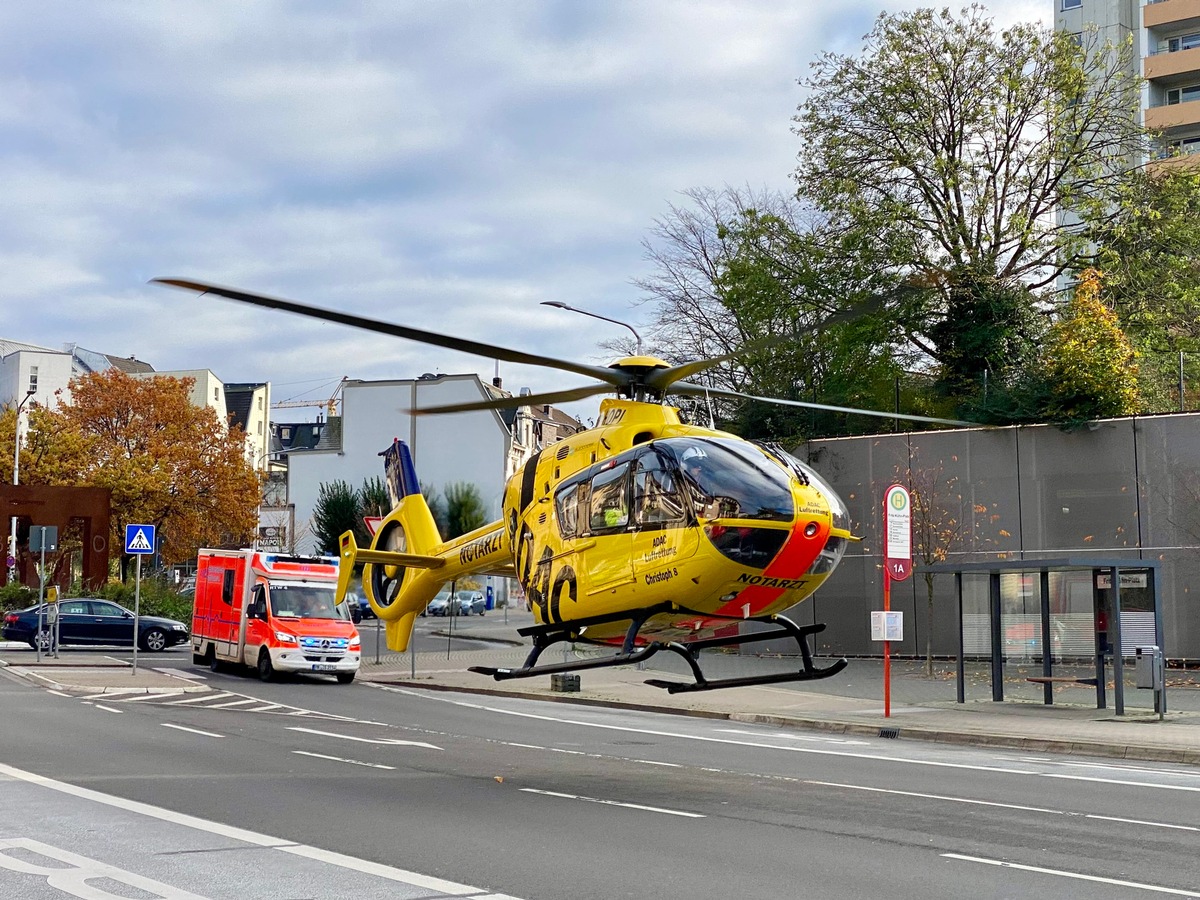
(607, 562)
(661, 537)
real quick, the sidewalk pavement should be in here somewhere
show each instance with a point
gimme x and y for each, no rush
(849, 703)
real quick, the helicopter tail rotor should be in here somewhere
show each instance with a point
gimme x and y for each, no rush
(397, 583)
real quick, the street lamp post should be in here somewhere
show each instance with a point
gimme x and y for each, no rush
(583, 312)
(12, 532)
(264, 456)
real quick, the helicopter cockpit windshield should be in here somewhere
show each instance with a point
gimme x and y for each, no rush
(835, 547)
(731, 479)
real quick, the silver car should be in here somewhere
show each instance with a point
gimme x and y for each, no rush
(439, 605)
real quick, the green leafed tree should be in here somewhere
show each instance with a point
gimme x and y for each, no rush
(465, 510)
(336, 512)
(1149, 254)
(736, 270)
(1089, 370)
(373, 498)
(953, 146)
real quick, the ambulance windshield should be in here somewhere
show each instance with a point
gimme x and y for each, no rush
(303, 601)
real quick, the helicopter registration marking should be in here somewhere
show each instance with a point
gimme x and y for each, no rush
(661, 576)
(612, 417)
(481, 547)
(787, 584)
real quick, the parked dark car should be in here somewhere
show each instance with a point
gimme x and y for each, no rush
(361, 603)
(86, 621)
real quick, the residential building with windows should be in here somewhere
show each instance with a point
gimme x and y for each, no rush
(1165, 35)
(37, 372)
(482, 447)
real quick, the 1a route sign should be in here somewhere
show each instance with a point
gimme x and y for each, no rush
(897, 516)
(139, 539)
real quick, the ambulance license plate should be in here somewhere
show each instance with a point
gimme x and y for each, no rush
(319, 667)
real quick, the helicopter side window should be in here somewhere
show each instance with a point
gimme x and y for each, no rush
(656, 499)
(609, 506)
(566, 504)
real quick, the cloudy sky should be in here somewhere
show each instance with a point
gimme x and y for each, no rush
(446, 165)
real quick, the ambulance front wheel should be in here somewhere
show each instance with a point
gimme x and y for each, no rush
(266, 671)
(345, 677)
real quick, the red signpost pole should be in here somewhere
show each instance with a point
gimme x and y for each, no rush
(897, 565)
(887, 646)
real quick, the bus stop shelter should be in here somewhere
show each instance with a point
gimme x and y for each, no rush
(1106, 608)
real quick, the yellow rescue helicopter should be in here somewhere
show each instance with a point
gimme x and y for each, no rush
(642, 533)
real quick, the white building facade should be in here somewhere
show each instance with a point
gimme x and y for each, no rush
(472, 447)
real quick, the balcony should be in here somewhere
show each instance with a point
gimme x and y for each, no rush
(1164, 118)
(1169, 65)
(1185, 161)
(1173, 13)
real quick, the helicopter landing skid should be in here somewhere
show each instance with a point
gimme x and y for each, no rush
(809, 671)
(544, 636)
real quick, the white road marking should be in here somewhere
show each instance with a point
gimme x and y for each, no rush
(391, 742)
(1003, 770)
(192, 730)
(1123, 767)
(234, 703)
(183, 673)
(799, 737)
(1141, 886)
(341, 759)
(759, 744)
(75, 875)
(108, 708)
(201, 698)
(250, 837)
(975, 802)
(638, 806)
(1145, 784)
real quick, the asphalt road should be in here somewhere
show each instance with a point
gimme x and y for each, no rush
(548, 800)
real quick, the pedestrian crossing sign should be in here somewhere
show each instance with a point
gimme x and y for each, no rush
(139, 538)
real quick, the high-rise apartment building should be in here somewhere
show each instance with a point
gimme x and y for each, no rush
(1166, 50)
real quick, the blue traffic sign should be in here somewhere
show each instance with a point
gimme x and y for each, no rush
(139, 538)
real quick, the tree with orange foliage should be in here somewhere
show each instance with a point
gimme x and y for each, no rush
(167, 463)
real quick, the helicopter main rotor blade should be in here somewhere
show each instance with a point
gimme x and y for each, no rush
(662, 379)
(699, 390)
(490, 351)
(550, 397)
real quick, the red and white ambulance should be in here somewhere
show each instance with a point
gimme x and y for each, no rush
(272, 612)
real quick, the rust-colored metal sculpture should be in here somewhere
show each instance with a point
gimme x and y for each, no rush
(82, 511)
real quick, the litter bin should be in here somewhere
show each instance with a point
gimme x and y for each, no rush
(1150, 668)
(1151, 675)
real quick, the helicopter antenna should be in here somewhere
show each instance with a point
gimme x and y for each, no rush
(712, 422)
